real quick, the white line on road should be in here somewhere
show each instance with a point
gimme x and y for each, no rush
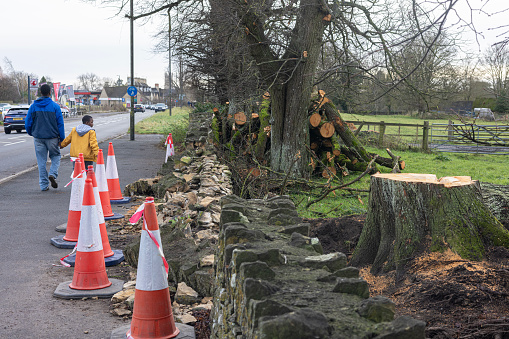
(13, 143)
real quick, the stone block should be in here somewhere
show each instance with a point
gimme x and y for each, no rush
(265, 308)
(404, 328)
(271, 256)
(240, 257)
(238, 234)
(332, 261)
(377, 309)
(310, 244)
(257, 270)
(301, 324)
(353, 286)
(258, 289)
(299, 228)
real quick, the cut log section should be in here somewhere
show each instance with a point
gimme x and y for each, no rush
(327, 172)
(315, 119)
(327, 130)
(409, 214)
(240, 118)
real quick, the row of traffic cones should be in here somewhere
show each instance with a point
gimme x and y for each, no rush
(152, 313)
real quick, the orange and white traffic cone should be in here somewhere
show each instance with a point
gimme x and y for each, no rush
(113, 180)
(170, 151)
(152, 313)
(111, 257)
(73, 218)
(102, 184)
(89, 269)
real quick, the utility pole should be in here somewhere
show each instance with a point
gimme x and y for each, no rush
(132, 70)
(29, 89)
(169, 56)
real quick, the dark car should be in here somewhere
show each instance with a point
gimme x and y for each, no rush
(139, 108)
(14, 119)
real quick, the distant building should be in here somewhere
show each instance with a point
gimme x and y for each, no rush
(111, 96)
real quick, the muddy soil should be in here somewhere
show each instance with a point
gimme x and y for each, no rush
(455, 297)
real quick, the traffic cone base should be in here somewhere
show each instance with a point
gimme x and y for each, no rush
(115, 259)
(153, 318)
(65, 292)
(59, 242)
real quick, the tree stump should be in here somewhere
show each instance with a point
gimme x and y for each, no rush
(410, 214)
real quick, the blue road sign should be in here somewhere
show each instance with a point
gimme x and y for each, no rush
(132, 91)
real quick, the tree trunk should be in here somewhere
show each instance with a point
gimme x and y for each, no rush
(409, 214)
(290, 78)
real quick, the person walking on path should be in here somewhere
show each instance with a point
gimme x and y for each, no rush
(45, 123)
(83, 140)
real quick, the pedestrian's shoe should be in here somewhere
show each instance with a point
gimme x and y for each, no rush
(45, 189)
(53, 181)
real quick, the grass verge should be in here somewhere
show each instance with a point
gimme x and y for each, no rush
(162, 123)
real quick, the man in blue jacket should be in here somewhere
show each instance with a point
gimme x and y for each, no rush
(45, 123)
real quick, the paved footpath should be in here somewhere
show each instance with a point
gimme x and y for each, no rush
(28, 218)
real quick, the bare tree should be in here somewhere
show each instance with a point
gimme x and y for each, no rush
(89, 81)
(19, 79)
(496, 62)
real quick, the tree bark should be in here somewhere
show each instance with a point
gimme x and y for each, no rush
(409, 214)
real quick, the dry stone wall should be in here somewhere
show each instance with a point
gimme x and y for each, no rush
(272, 281)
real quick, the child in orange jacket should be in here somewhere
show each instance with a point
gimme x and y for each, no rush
(83, 140)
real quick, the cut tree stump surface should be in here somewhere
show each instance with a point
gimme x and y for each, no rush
(411, 213)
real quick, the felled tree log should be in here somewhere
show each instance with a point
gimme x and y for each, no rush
(409, 214)
(388, 162)
(344, 132)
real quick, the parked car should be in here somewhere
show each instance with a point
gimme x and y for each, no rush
(160, 107)
(139, 108)
(14, 118)
(65, 112)
(4, 108)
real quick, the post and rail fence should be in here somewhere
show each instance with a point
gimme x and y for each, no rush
(450, 137)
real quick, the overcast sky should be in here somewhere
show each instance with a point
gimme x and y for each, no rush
(65, 38)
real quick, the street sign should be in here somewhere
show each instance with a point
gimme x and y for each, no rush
(132, 91)
(34, 83)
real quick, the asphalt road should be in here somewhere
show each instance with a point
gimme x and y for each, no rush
(17, 149)
(28, 218)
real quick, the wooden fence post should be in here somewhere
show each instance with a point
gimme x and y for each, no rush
(382, 132)
(425, 131)
(450, 131)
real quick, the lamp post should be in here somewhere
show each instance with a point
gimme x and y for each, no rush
(132, 70)
(169, 57)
